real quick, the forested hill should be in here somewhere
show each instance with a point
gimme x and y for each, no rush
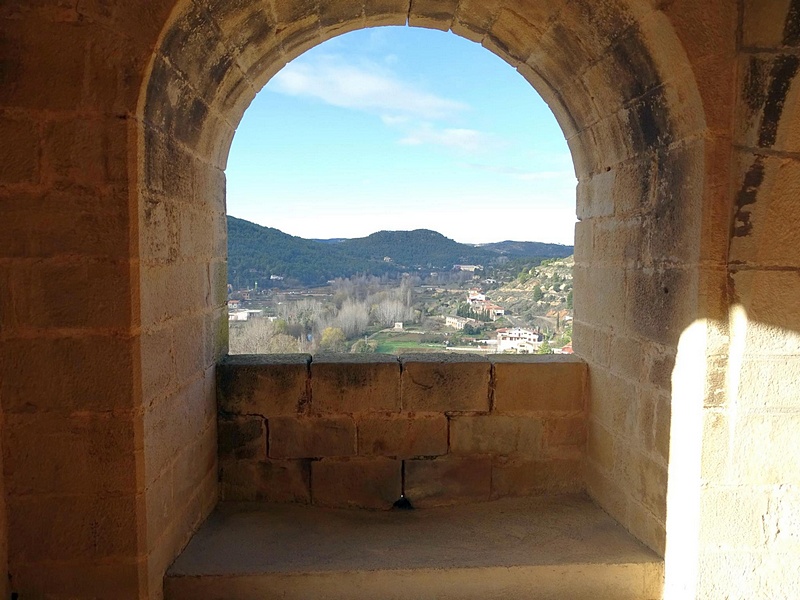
(256, 253)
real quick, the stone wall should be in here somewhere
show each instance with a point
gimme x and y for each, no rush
(351, 431)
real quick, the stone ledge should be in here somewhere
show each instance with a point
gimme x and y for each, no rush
(431, 414)
(559, 547)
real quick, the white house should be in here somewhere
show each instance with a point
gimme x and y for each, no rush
(518, 340)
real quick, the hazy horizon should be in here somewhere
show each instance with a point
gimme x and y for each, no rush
(338, 237)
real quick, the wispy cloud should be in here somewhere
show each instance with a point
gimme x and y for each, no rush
(365, 86)
(466, 140)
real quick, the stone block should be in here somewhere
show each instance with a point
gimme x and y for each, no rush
(19, 153)
(403, 436)
(311, 437)
(612, 402)
(114, 580)
(70, 528)
(356, 482)
(174, 422)
(537, 384)
(172, 290)
(607, 493)
(644, 479)
(97, 377)
(660, 303)
(646, 527)
(758, 453)
(560, 476)
(764, 23)
(242, 438)
(73, 293)
(600, 446)
(584, 242)
(448, 480)
(604, 282)
(268, 385)
(266, 481)
(595, 196)
(54, 72)
(570, 431)
(350, 383)
(475, 17)
(515, 477)
(445, 383)
(433, 14)
(618, 242)
(187, 334)
(86, 152)
(65, 221)
(734, 518)
(386, 12)
(85, 453)
(496, 435)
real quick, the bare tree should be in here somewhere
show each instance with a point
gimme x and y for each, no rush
(261, 336)
(352, 319)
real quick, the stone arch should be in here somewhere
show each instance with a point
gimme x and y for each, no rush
(618, 80)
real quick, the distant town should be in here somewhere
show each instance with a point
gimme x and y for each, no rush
(508, 308)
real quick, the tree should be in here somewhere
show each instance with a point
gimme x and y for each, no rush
(538, 294)
(569, 300)
(333, 340)
(544, 348)
(352, 319)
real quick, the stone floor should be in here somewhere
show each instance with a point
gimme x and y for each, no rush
(557, 547)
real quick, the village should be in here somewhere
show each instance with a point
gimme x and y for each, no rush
(529, 312)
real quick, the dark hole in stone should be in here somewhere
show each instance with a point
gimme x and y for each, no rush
(403, 503)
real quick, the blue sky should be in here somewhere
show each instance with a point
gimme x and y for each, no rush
(402, 128)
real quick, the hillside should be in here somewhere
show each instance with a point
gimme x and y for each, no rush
(420, 248)
(256, 253)
(526, 249)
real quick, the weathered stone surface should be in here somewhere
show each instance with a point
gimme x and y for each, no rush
(311, 437)
(352, 384)
(242, 438)
(271, 385)
(356, 482)
(514, 477)
(403, 436)
(448, 480)
(496, 435)
(445, 383)
(565, 432)
(266, 481)
(533, 384)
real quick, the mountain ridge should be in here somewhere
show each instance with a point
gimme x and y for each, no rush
(255, 253)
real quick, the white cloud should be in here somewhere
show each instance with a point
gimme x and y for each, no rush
(467, 140)
(367, 87)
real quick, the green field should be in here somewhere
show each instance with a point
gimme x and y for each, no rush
(398, 343)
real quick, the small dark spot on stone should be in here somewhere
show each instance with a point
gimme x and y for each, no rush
(608, 169)
(666, 290)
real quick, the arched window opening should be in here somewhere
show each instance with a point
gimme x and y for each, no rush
(399, 189)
